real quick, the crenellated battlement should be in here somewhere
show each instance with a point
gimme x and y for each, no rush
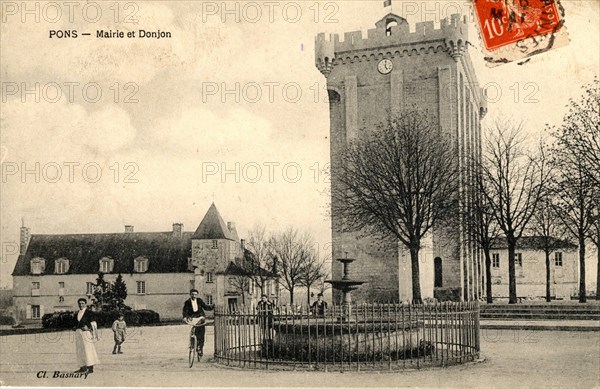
(453, 33)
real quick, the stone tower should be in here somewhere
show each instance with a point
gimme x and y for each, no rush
(369, 78)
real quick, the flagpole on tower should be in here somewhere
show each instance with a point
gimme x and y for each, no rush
(388, 3)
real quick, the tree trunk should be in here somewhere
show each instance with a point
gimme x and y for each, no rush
(416, 281)
(582, 297)
(308, 294)
(292, 296)
(547, 252)
(488, 276)
(598, 268)
(512, 281)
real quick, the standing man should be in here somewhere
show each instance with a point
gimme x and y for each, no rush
(193, 314)
(264, 309)
(320, 306)
(86, 332)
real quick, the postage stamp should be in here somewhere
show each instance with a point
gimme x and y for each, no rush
(513, 30)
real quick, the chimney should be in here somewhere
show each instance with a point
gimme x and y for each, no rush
(177, 230)
(128, 228)
(24, 238)
(230, 226)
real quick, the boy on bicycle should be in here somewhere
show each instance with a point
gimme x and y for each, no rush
(193, 314)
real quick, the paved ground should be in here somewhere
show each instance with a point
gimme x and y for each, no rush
(156, 356)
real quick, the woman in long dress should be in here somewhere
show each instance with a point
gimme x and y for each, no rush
(86, 332)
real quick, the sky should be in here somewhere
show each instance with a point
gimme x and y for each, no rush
(231, 109)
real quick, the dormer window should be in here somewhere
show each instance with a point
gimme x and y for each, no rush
(38, 265)
(61, 266)
(140, 264)
(107, 264)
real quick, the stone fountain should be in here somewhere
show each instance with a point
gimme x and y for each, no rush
(345, 285)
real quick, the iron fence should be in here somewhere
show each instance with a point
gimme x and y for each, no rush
(355, 337)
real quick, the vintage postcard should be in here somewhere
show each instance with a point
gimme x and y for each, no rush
(379, 193)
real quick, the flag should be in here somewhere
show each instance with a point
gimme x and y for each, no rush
(387, 3)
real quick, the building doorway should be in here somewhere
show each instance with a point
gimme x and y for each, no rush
(232, 304)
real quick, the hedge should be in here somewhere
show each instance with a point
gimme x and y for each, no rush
(66, 320)
(6, 320)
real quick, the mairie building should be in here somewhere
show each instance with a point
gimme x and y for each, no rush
(396, 67)
(159, 268)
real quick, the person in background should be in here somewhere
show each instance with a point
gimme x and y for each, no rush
(264, 308)
(119, 328)
(320, 306)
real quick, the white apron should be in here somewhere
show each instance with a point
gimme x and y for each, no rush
(86, 349)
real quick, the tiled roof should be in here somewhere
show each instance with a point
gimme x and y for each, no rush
(212, 226)
(166, 252)
(534, 243)
(244, 267)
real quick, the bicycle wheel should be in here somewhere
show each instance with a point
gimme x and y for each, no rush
(193, 352)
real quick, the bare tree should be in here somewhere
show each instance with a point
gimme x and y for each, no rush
(577, 157)
(260, 257)
(595, 237)
(241, 283)
(292, 250)
(580, 131)
(484, 229)
(546, 226)
(313, 273)
(574, 203)
(400, 178)
(514, 185)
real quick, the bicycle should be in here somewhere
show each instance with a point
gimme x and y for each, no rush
(193, 347)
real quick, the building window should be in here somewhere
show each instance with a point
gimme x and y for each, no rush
(437, 271)
(89, 288)
(106, 265)
(209, 277)
(141, 287)
(35, 288)
(209, 299)
(141, 265)
(61, 299)
(519, 259)
(61, 285)
(558, 260)
(61, 266)
(495, 260)
(38, 265)
(215, 244)
(35, 311)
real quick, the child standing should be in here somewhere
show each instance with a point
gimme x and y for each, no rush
(119, 328)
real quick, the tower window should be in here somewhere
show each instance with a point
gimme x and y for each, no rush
(519, 259)
(215, 244)
(388, 27)
(209, 277)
